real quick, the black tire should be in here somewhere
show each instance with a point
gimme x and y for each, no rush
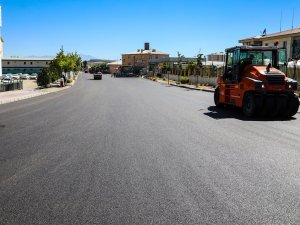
(292, 106)
(281, 104)
(217, 97)
(270, 108)
(249, 104)
(258, 102)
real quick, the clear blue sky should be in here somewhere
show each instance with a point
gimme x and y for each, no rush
(108, 28)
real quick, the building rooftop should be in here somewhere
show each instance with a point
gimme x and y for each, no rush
(117, 63)
(278, 34)
(146, 52)
(173, 59)
(27, 59)
(217, 53)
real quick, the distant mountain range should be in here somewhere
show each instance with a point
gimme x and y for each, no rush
(87, 57)
(83, 57)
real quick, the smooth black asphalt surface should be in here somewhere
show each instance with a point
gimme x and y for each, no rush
(134, 151)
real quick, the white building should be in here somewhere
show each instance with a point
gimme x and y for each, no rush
(288, 39)
(24, 65)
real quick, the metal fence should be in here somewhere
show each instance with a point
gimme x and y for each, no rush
(15, 85)
(293, 72)
(209, 74)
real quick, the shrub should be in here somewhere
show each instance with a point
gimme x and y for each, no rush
(43, 78)
(184, 80)
(69, 80)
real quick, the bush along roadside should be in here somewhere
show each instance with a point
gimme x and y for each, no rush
(43, 78)
(69, 80)
(184, 80)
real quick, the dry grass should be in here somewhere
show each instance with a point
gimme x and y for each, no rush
(29, 84)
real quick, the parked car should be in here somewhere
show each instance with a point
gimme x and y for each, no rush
(24, 76)
(15, 76)
(33, 76)
(7, 80)
(97, 76)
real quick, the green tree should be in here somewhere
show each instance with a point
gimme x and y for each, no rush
(180, 57)
(67, 64)
(191, 65)
(43, 78)
(103, 67)
(62, 63)
(55, 66)
(76, 61)
(199, 60)
(84, 64)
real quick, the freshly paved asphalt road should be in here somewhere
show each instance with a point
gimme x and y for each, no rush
(133, 151)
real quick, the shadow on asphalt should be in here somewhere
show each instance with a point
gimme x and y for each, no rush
(229, 112)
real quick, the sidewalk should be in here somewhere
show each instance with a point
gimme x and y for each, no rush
(192, 87)
(30, 91)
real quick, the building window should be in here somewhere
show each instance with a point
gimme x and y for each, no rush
(257, 43)
(296, 48)
(30, 63)
(8, 63)
(266, 44)
(284, 44)
(46, 63)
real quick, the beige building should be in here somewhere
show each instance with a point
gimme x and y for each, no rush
(142, 56)
(289, 39)
(218, 57)
(114, 66)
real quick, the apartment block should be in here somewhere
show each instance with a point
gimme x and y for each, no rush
(141, 57)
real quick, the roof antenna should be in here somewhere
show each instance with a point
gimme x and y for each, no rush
(293, 19)
(280, 19)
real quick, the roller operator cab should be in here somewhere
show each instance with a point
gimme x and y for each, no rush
(253, 81)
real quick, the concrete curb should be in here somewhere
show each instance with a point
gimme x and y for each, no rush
(187, 87)
(193, 88)
(14, 99)
(39, 93)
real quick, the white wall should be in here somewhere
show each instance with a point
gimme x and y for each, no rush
(193, 79)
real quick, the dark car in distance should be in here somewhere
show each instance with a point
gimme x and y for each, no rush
(97, 76)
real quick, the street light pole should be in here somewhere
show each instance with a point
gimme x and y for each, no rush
(205, 65)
